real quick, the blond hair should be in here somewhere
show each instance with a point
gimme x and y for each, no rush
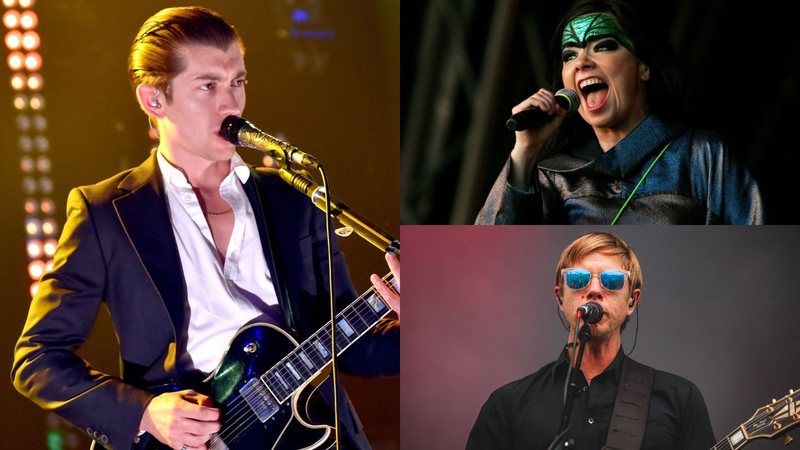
(605, 243)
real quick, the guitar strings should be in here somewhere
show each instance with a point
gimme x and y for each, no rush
(756, 418)
(239, 407)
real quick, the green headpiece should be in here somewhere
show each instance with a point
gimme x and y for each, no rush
(590, 27)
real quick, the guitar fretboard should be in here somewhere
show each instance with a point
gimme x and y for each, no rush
(314, 354)
(725, 444)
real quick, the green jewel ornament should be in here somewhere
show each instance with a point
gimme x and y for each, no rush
(590, 27)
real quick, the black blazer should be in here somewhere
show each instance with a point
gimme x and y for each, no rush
(118, 248)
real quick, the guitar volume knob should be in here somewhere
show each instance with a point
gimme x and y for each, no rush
(251, 347)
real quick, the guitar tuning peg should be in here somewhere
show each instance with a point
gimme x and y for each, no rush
(787, 439)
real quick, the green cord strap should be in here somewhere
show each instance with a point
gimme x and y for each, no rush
(628, 200)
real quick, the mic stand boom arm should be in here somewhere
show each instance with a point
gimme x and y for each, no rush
(341, 212)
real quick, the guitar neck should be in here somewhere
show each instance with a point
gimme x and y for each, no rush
(314, 354)
(768, 422)
(734, 440)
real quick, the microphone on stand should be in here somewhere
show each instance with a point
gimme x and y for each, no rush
(240, 132)
(590, 312)
(534, 117)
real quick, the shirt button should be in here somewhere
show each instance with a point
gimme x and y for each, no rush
(591, 420)
(585, 388)
(187, 198)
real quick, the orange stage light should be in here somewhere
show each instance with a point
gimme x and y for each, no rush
(11, 19)
(13, 40)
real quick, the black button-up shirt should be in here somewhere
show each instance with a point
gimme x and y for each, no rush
(525, 414)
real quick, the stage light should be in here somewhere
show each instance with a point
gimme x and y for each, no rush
(26, 3)
(35, 82)
(29, 185)
(37, 102)
(33, 226)
(11, 19)
(39, 123)
(300, 15)
(26, 164)
(20, 102)
(45, 185)
(42, 143)
(13, 40)
(36, 269)
(9, 3)
(25, 143)
(31, 205)
(49, 247)
(35, 248)
(31, 40)
(15, 60)
(18, 81)
(47, 206)
(43, 164)
(23, 122)
(28, 20)
(49, 227)
(33, 61)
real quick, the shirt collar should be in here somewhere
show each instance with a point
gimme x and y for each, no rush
(625, 158)
(638, 146)
(560, 367)
(172, 174)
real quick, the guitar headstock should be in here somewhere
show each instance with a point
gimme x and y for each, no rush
(774, 419)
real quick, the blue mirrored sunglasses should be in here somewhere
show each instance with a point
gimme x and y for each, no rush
(612, 279)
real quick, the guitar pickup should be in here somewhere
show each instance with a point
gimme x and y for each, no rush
(260, 400)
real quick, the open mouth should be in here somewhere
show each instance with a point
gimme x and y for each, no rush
(595, 91)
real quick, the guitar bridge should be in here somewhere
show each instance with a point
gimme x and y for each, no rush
(260, 400)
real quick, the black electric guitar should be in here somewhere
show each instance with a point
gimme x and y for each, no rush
(769, 422)
(263, 384)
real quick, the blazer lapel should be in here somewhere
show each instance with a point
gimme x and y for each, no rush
(254, 194)
(145, 218)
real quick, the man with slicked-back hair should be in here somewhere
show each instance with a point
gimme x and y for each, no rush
(184, 250)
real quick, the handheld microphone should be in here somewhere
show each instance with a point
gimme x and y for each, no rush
(535, 117)
(591, 312)
(240, 132)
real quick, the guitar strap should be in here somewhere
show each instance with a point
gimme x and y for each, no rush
(629, 418)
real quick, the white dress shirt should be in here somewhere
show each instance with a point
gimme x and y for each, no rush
(222, 297)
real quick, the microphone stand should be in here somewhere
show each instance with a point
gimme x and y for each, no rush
(584, 335)
(341, 212)
(356, 222)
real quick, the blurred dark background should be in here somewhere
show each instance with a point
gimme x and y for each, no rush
(316, 69)
(466, 63)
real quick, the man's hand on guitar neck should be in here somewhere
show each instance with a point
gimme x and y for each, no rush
(386, 291)
(183, 419)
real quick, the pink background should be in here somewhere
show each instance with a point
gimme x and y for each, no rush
(479, 312)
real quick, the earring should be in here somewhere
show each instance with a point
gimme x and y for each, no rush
(154, 99)
(630, 305)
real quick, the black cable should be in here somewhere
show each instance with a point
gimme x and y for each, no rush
(558, 313)
(636, 333)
